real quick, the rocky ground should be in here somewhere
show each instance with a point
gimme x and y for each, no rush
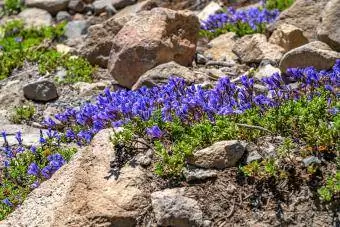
(140, 43)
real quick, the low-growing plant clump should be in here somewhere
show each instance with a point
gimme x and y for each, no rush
(11, 7)
(22, 114)
(278, 4)
(24, 168)
(19, 44)
(242, 22)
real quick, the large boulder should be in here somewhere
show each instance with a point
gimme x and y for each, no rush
(220, 155)
(165, 35)
(34, 17)
(329, 29)
(98, 42)
(317, 54)
(288, 36)
(304, 14)
(81, 193)
(161, 74)
(52, 6)
(255, 48)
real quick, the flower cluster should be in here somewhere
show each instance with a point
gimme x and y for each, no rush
(254, 17)
(189, 102)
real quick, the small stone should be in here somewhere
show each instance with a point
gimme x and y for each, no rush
(101, 6)
(61, 48)
(220, 48)
(34, 17)
(42, 90)
(201, 59)
(120, 4)
(288, 36)
(220, 155)
(311, 160)
(52, 6)
(266, 70)
(144, 159)
(75, 29)
(63, 16)
(255, 48)
(198, 174)
(253, 156)
(211, 8)
(172, 208)
(76, 6)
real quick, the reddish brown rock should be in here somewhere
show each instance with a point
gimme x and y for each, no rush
(152, 38)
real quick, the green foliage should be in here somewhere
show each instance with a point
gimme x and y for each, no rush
(18, 44)
(306, 121)
(332, 187)
(12, 6)
(22, 113)
(278, 4)
(240, 29)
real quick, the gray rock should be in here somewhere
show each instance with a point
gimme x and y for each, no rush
(63, 16)
(161, 74)
(288, 36)
(211, 8)
(120, 4)
(311, 160)
(265, 70)
(317, 54)
(30, 135)
(255, 48)
(43, 91)
(304, 14)
(220, 155)
(52, 6)
(34, 17)
(75, 29)
(201, 59)
(172, 208)
(329, 29)
(76, 6)
(101, 6)
(253, 154)
(194, 174)
(144, 159)
(132, 10)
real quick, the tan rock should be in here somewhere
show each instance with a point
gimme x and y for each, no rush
(161, 74)
(317, 54)
(220, 155)
(221, 48)
(34, 17)
(304, 14)
(255, 48)
(165, 35)
(81, 193)
(52, 6)
(211, 8)
(329, 29)
(132, 10)
(288, 36)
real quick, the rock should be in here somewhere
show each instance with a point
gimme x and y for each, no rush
(87, 89)
(311, 160)
(220, 155)
(253, 154)
(82, 194)
(63, 16)
(255, 48)
(132, 10)
(304, 14)
(42, 90)
(101, 6)
(52, 6)
(317, 54)
(267, 145)
(61, 48)
(144, 159)
(198, 174)
(34, 17)
(265, 70)
(120, 4)
(288, 36)
(173, 208)
(220, 48)
(161, 74)
(30, 136)
(76, 6)
(201, 59)
(329, 29)
(165, 36)
(75, 29)
(98, 42)
(211, 8)
(11, 95)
